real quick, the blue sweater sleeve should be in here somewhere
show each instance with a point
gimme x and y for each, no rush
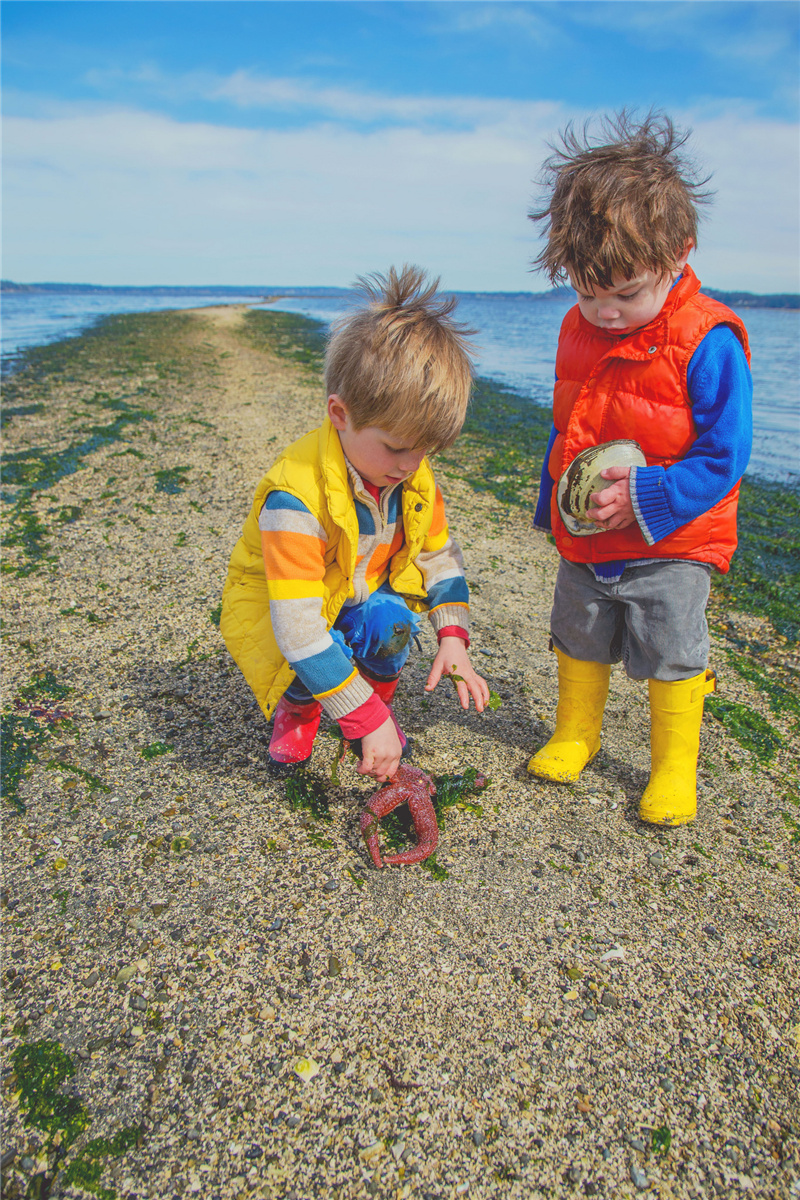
(541, 517)
(721, 393)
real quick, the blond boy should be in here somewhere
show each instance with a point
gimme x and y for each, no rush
(347, 538)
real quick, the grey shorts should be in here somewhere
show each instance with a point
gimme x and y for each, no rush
(653, 619)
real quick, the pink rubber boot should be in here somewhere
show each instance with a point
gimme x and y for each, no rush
(293, 733)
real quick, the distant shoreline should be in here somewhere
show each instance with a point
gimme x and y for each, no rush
(736, 299)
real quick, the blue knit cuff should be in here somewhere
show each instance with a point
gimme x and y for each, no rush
(649, 501)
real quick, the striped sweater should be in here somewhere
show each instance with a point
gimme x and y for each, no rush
(294, 545)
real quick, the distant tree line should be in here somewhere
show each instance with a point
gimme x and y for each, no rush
(733, 299)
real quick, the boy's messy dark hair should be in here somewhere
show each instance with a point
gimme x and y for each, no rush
(400, 361)
(618, 202)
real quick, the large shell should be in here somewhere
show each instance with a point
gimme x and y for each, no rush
(582, 478)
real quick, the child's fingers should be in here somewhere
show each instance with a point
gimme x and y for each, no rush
(434, 677)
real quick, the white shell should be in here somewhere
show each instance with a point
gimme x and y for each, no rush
(582, 478)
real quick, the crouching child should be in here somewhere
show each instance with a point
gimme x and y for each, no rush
(347, 542)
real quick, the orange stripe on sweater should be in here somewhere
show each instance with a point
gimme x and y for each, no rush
(293, 555)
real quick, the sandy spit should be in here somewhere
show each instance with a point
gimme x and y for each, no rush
(583, 1006)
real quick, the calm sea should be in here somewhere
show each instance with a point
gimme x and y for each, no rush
(515, 339)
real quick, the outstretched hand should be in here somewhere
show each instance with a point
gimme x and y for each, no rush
(613, 508)
(452, 659)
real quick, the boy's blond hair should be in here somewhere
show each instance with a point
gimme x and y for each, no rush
(400, 362)
(618, 203)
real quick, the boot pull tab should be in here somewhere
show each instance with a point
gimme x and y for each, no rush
(708, 685)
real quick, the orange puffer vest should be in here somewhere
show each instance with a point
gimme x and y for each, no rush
(609, 387)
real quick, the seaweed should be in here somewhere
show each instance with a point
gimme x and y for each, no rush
(172, 480)
(40, 1070)
(305, 793)
(764, 578)
(749, 728)
(299, 339)
(25, 728)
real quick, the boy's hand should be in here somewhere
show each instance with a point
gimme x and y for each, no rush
(381, 752)
(613, 508)
(452, 659)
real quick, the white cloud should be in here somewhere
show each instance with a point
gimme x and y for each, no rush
(134, 197)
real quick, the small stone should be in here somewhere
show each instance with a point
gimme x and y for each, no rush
(575, 973)
(609, 999)
(375, 1095)
(589, 1014)
(656, 859)
(638, 1178)
(293, 1121)
(92, 978)
(334, 966)
(574, 1174)
(125, 974)
(330, 885)
(139, 1003)
(635, 1143)
(580, 857)
(478, 1137)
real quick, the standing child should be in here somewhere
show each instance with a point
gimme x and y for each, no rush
(643, 355)
(347, 538)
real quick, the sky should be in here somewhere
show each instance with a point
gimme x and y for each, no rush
(304, 143)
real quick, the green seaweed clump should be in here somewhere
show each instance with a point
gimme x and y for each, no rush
(172, 480)
(457, 790)
(288, 335)
(40, 1069)
(156, 749)
(304, 792)
(86, 1168)
(765, 572)
(25, 728)
(749, 728)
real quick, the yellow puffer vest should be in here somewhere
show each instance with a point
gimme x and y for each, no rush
(314, 470)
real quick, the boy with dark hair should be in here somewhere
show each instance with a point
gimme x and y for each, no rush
(652, 384)
(347, 537)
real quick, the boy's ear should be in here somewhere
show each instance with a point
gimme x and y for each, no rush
(337, 411)
(683, 258)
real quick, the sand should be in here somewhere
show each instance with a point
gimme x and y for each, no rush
(571, 1003)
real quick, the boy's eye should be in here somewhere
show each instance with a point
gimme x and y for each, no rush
(630, 296)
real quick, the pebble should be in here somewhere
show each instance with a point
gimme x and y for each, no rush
(589, 1014)
(638, 1177)
(334, 966)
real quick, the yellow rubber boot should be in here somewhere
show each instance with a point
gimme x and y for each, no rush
(582, 693)
(676, 713)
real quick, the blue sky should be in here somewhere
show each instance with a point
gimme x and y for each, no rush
(304, 143)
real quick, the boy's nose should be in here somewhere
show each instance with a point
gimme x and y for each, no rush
(608, 311)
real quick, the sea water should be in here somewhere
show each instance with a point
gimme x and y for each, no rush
(514, 337)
